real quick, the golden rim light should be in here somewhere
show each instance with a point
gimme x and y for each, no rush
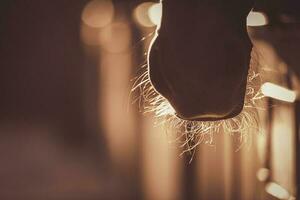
(149, 14)
(99, 15)
(192, 133)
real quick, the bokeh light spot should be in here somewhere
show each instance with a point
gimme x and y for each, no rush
(98, 13)
(277, 92)
(155, 13)
(141, 14)
(257, 19)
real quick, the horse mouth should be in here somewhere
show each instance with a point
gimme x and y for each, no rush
(214, 117)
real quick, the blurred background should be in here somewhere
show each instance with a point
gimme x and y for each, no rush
(68, 129)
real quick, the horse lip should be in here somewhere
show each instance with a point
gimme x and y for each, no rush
(202, 117)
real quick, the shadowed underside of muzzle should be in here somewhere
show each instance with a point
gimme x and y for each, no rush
(199, 62)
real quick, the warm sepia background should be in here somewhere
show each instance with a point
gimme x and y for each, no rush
(68, 129)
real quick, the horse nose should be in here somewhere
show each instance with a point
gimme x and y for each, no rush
(202, 90)
(198, 65)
